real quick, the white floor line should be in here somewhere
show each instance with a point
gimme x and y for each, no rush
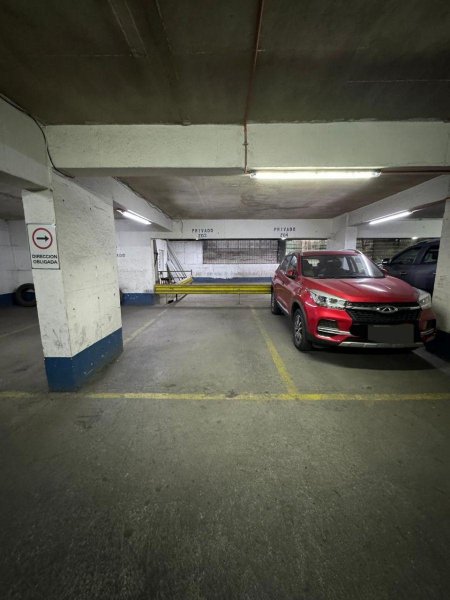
(2, 335)
(433, 360)
(131, 337)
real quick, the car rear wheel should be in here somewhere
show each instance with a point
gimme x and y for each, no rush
(276, 310)
(299, 332)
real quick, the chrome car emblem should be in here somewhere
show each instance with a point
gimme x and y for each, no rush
(387, 309)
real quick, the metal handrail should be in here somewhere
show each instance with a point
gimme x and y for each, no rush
(169, 277)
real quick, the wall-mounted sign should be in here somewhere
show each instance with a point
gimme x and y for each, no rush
(43, 246)
(202, 233)
(284, 231)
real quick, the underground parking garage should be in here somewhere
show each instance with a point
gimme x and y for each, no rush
(192, 406)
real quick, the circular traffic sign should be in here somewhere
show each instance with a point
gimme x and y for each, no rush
(42, 238)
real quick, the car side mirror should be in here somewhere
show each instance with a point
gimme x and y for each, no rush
(291, 273)
(385, 261)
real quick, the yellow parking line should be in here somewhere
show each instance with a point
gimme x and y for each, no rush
(292, 397)
(278, 361)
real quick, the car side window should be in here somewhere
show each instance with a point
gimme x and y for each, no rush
(431, 256)
(293, 263)
(284, 265)
(407, 257)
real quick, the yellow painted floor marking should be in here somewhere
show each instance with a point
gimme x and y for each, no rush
(2, 335)
(292, 397)
(278, 361)
(134, 335)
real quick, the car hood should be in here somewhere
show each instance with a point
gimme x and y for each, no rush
(386, 289)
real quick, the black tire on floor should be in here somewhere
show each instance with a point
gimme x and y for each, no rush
(299, 332)
(20, 295)
(276, 310)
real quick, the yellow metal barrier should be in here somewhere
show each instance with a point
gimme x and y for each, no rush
(212, 288)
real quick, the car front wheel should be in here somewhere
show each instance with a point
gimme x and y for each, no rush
(300, 339)
(276, 310)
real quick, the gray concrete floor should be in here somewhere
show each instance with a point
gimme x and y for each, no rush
(190, 468)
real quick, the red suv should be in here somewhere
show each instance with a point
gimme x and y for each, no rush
(342, 298)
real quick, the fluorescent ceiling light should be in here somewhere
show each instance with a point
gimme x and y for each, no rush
(129, 214)
(314, 175)
(398, 215)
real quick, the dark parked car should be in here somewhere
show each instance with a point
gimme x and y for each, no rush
(341, 298)
(416, 264)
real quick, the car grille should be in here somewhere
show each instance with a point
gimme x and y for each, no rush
(362, 312)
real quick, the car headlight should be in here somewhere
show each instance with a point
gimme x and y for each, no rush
(327, 300)
(424, 299)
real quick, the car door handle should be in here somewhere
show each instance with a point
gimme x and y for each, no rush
(403, 273)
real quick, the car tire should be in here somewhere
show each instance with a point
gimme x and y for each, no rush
(276, 310)
(21, 295)
(299, 332)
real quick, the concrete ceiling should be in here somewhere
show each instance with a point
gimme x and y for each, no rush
(220, 197)
(241, 197)
(173, 61)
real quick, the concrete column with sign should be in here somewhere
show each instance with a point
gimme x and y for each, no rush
(441, 293)
(73, 256)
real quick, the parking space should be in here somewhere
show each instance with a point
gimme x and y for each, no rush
(190, 467)
(222, 349)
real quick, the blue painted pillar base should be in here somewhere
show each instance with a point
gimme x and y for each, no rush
(138, 299)
(69, 374)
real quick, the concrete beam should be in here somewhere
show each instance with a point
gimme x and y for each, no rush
(142, 149)
(429, 192)
(421, 228)
(249, 229)
(138, 149)
(350, 144)
(23, 155)
(120, 194)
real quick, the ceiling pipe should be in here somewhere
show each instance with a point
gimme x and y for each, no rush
(251, 82)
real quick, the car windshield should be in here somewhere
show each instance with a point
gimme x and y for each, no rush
(339, 266)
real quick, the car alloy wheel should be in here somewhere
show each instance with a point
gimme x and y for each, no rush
(301, 341)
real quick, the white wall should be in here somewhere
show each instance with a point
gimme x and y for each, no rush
(190, 255)
(135, 258)
(15, 266)
(6, 260)
(21, 252)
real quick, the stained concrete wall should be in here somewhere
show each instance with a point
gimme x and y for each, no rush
(190, 254)
(441, 292)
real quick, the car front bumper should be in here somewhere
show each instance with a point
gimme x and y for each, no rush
(333, 327)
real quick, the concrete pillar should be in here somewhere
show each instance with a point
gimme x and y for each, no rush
(78, 303)
(441, 294)
(344, 236)
(136, 263)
